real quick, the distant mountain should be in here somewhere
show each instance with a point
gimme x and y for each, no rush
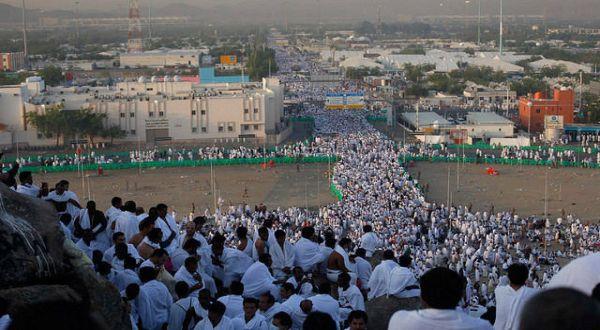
(11, 14)
(269, 11)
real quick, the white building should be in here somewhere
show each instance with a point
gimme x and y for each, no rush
(449, 61)
(478, 95)
(486, 125)
(570, 67)
(161, 58)
(153, 111)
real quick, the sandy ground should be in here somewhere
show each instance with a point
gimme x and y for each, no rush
(283, 186)
(521, 187)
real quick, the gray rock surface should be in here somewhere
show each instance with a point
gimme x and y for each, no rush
(41, 281)
(381, 309)
(30, 241)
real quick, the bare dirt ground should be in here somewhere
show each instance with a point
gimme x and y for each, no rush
(520, 187)
(282, 186)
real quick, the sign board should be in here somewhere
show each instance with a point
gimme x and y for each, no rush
(207, 59)
(337, 101)
(159, 123)
(228, 59)
(554, 122)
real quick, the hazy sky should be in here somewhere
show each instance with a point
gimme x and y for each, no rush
(391, 8)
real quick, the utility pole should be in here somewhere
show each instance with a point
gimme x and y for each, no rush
(580, 91)
(501, 26)
(478, 22)
(417, 118)
(25, 35)
(546, 195)
(448, 191)
(76, 23)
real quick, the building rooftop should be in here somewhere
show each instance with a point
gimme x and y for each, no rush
(426, 119)
(482, 118)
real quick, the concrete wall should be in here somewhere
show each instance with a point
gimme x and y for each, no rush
(489, 130)
(159, 60)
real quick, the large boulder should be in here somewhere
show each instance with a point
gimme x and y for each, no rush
(380, 310)
(30, 240)
(44, 279)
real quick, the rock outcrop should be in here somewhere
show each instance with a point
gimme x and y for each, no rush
(380, 310)
(40, 279)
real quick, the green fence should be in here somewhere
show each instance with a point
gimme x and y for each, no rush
(376, 118)
(335, 191)
(486, 146)
(184, 163)
(501, 161)
(303, 119)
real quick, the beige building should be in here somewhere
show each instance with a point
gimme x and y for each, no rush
(477, 95)
(161, 58)
(154, 111)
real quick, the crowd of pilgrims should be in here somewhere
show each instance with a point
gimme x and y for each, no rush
(294, 150)
(252, 268)
(239, 267)
(585, 157)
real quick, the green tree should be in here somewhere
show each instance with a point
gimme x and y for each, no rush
(554, 71)
(113, 132)
(361, 72)
(413, 73)
(416, 90)
(413, 50)
(50, 124)
(58, 123)
(52, 75)
(529, 85)
(261, 62)
(86, 123)
(365, 27)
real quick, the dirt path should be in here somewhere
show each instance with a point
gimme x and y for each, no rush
(521, 187)
(283, 186)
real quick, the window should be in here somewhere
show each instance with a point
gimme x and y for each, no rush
(194, 129)
(39, 136)
(245, 127)
(151, 114)
(256, 127)
(132, 88)
(255, 110)
(161, 113)
(230, 128)
(132, 114)
(537, 110)
(122, 114)
(203, 112)
(203, 129)
(132, 132)
(193, 112)
(246, 111)
(149, 89)
(220, 128)
(499, 129)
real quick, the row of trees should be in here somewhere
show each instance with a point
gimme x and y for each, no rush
(361, 72)
(56, 123)
(261, 62)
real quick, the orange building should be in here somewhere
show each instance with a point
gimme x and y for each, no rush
(12, 61)
(228, 59)
(533, 110)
